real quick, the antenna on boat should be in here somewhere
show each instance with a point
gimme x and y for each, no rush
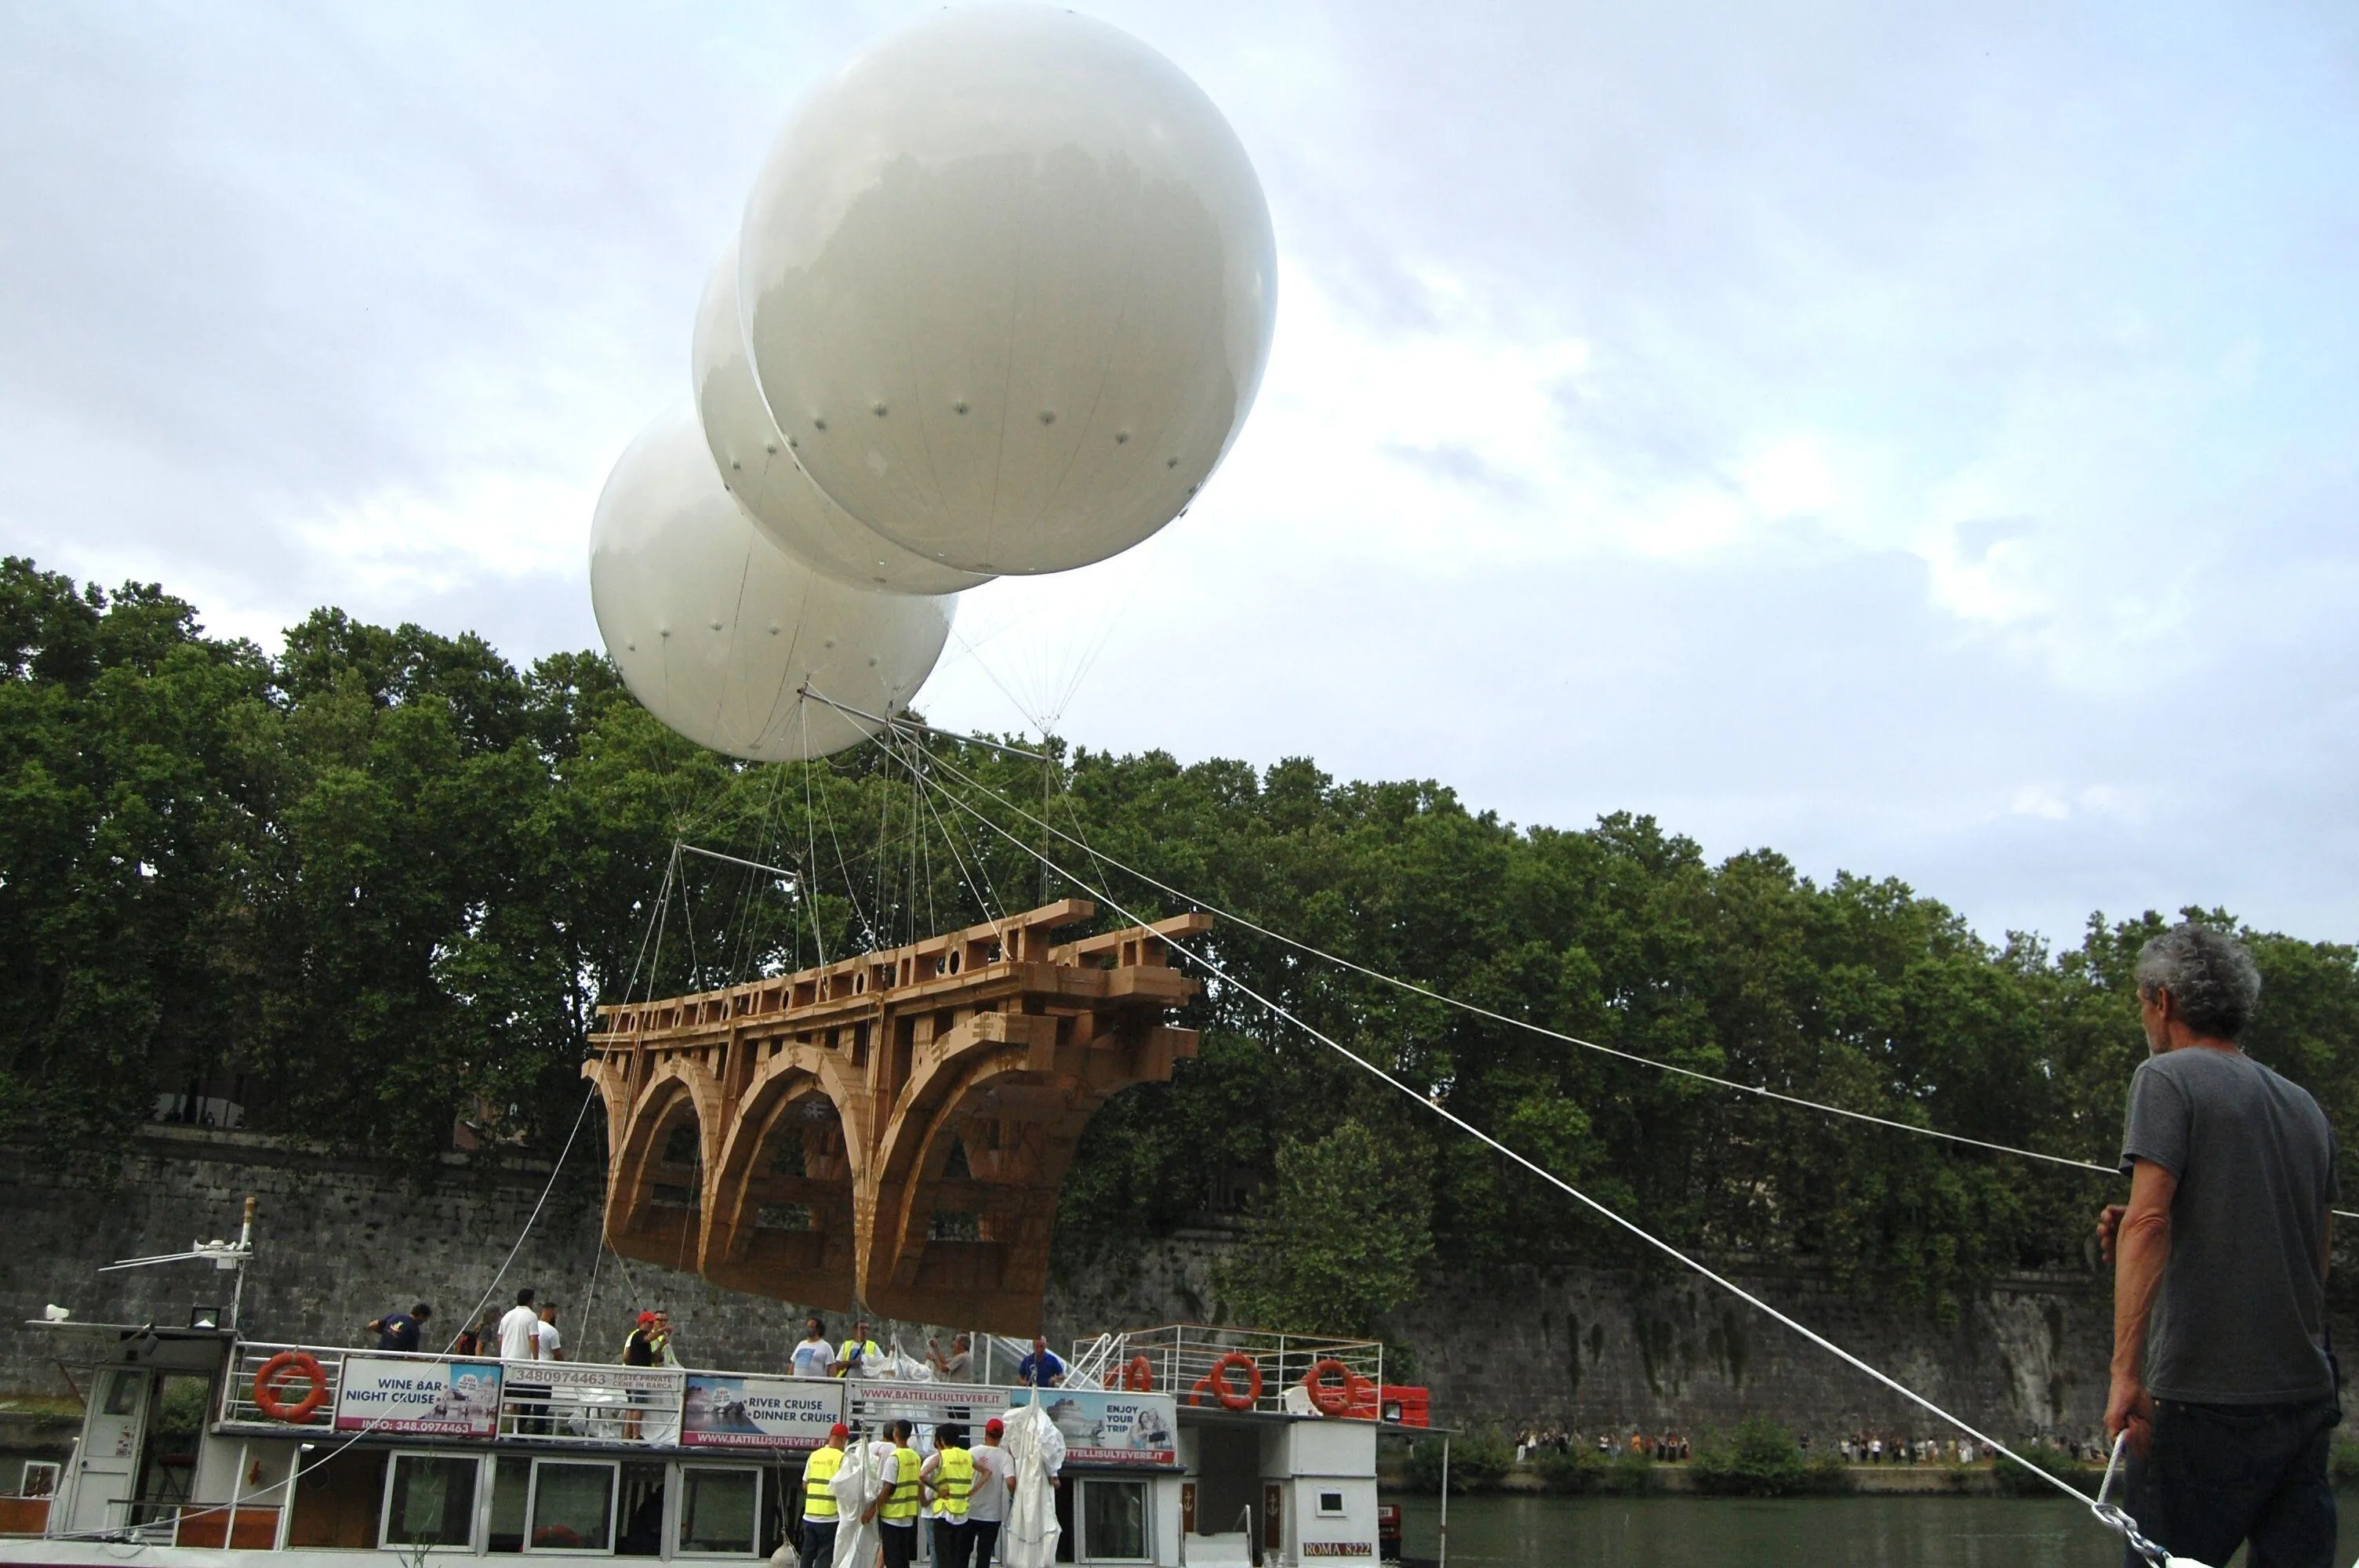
(221, 1255)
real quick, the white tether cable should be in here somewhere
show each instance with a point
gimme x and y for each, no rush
(2112, 1517)
(1479, 1010)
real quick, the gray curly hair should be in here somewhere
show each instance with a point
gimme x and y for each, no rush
(2212, 979)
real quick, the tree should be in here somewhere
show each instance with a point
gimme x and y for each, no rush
(1345, 1236)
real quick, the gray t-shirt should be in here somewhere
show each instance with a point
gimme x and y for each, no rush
(2240, 1319)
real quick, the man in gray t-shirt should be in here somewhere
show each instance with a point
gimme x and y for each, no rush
(2221, 1374)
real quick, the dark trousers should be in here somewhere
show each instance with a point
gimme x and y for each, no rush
(900, 1541)
(819, 1542)
(983, 1540)
(953, 1539)
(2217, 1475)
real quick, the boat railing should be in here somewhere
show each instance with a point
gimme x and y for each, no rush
(1196, 1363)
(394, 1393)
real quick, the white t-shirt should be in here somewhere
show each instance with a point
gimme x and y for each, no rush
(812, 1359)
(546, 1336)
(988, 1500)
(518, 1329)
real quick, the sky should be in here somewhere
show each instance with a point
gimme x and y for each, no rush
(1921, 442)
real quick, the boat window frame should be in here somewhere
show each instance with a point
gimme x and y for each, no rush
(679, 1510)
(614, 1468)
(471, 1546)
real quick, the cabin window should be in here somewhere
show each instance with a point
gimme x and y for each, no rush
(719, 1511)
(1113, 1520)
(572, 1505)
(511, 1491)
(430, 1502)
(1331, 1505)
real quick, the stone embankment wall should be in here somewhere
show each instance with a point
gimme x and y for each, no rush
(339, 1243)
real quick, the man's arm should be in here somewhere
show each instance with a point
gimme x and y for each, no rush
(2141, 1249)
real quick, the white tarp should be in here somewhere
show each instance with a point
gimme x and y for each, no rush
(1028, 1540)
(855, 1485)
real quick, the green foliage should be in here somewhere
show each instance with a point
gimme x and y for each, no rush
(377, 886)
(1343, 1237)
(1479, 1461)
(1755, 1459)
(2018, 1482)
(2342, 1464)
(1628, 1474)
(1578, 1468)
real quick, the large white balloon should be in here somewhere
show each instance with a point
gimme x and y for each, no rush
(1008, 283)
(718, 630)
(762, 474)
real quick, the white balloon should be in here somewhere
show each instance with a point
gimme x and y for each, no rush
(762, 474)
(1008, 282)
(718, 630)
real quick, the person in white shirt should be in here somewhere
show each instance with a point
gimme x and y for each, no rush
(520, 1341)
(986, 1504)
(547, 1345)
(814, 1355)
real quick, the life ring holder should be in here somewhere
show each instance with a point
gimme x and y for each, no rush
(1216, 1382)
(277, 1370)
(1329, 1398)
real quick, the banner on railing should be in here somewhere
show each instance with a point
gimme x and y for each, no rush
(758, 1412)
(1110, 1428)
(442, 1399)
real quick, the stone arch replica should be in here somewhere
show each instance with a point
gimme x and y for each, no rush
(891, 1128)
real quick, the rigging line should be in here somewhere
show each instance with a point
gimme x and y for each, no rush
(1604, 1212)
(985, 896)
(747, 935)
(648, 932)
(1541, 1029)
(851, 895)
(687, 917)
(905, 722)
(531, 1219)
(810, 837)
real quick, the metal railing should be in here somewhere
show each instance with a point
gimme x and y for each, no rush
(1181, 1358)
(553, 1401)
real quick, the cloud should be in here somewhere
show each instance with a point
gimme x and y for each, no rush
(1918, 441)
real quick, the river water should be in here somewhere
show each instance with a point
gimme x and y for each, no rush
(1797, 1532)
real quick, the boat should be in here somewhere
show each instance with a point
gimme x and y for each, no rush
(201, 1448)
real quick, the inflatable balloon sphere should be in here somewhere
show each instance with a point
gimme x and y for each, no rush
(764, 476)
(718, 632)
(1007, 285)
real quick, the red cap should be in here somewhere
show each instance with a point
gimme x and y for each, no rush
(647, 1317)
(838, 1429)
(993, 1427)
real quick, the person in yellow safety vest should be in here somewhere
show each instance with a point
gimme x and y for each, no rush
(819, 1498)
(856, 1352)
(949, 1477)
(896, 1508)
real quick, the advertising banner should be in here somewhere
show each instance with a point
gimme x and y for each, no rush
(1108, 1427)
(442, 1399)
(869, 1402)
(759, 1412)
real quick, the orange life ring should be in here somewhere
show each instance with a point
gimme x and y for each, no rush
(1138, 1378)
(1329, 1398)
(1216, 1383)
(275, 1371)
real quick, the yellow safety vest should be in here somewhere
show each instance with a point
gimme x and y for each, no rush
(953, 1481)
(865, 1349)
(901, 1502)
(819, 1498)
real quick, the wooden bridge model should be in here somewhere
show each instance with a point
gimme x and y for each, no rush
(891, 1128)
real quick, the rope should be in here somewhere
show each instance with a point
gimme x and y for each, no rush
(533, 1218)
(1601, 1210)
(1479, 1010)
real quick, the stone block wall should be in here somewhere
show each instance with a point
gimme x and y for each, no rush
(339, 1243)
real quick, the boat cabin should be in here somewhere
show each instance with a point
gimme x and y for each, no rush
(1182, 1444)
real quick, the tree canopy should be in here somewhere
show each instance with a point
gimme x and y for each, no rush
(371, 887)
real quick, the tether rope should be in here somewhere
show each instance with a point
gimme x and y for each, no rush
(2112, 1517)
(1479, 1010)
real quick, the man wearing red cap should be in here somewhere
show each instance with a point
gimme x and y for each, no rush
(639, 1350)
(818, 1498)
(986, 1506)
